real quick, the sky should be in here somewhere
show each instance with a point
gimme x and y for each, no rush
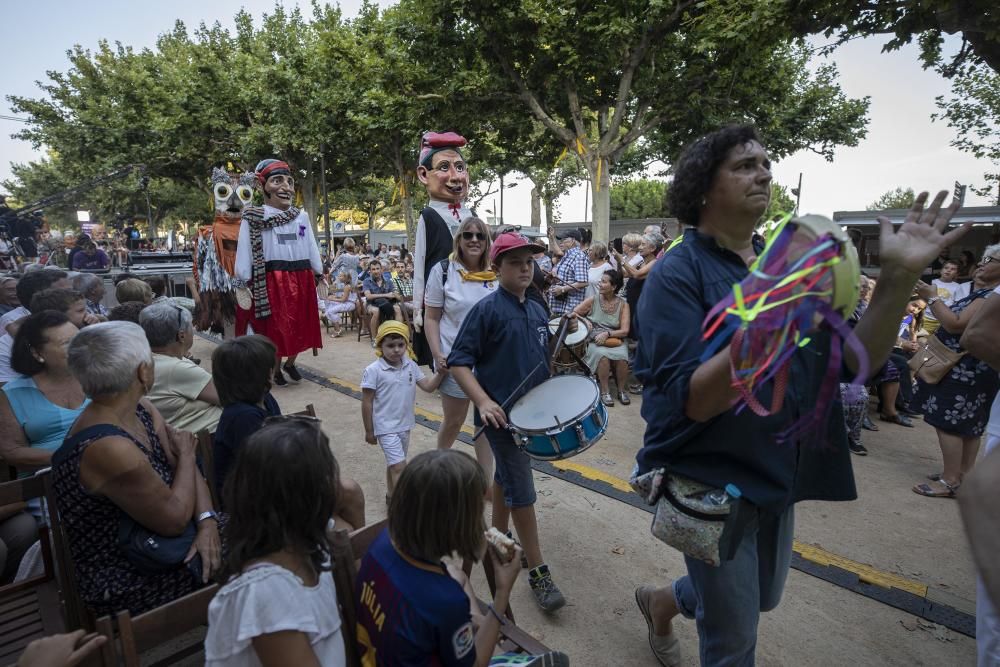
(903, 147)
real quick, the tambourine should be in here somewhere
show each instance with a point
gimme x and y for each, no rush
(806, 277)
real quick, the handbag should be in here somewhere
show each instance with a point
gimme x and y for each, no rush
(934, 360)
(149, 552)
(698, 520)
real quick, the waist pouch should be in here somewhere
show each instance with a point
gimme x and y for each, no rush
(686, 521)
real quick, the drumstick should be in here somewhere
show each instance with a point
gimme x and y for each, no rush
(503, 405)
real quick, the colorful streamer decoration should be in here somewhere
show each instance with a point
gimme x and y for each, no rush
(806, 278)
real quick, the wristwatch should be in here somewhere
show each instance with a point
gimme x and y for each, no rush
(209, 514)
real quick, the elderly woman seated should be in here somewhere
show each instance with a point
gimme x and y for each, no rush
(609, 315)
(182, 391)
(122, 464)
(92, 289)
(133, 289)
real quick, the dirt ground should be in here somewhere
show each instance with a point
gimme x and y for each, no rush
(600, 548)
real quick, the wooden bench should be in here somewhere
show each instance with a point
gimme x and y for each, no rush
(207, 457)
(155, 628)
(31, 608)
(347, 550)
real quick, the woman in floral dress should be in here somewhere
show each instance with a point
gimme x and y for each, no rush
(958, 406)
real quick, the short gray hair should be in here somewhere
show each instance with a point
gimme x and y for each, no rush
(104, 357)
(163, 321)
(85, 283)
(655, 239)
(992, 251)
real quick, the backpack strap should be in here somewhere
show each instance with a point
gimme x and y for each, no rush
(445, 263)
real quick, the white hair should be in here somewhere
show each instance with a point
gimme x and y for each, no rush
(654, 239)
(104, 357)
(85, 283)
(992, 251)
(163, 322)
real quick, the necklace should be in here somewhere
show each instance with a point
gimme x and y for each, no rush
(611, 307)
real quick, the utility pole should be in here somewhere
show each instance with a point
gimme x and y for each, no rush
(501, 199)
(326, 202)
(797, 191)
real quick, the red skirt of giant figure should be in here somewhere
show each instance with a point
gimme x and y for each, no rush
(293, 326)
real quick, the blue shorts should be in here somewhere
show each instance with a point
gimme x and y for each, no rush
(513, 469)
(450, 388)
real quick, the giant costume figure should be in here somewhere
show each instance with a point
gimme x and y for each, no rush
(215, 254)
(278, 259)
(442, 170)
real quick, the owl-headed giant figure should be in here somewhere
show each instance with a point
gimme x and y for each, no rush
(215, 256)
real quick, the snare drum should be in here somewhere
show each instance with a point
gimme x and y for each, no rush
(559, 418)
(575, 340)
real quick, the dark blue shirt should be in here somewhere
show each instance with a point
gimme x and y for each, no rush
(411, 613)
(238, 422)
(368, 284)
(735, 447)
(504, 340)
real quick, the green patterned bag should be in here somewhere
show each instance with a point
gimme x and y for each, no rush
(688, 522)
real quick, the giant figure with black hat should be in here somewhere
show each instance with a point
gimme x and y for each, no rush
(278, 259)
(442, 169)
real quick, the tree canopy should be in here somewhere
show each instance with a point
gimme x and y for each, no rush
(898, 198)
(642, 198)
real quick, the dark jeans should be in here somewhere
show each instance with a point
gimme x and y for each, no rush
(900, 360)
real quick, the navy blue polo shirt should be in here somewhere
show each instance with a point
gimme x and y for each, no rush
(735, 447)
(504, 339)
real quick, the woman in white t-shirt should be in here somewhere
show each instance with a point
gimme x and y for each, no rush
(453, 287)
(280, 605)
(598, 254)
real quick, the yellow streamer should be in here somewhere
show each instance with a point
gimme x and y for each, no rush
(600, 163)
(561, 156)
(580, 148)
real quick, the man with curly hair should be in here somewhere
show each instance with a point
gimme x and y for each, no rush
(721, 190)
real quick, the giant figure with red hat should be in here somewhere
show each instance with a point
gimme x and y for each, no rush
(278, 259)
(442, 169)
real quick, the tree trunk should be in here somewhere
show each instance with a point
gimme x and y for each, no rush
(600, 209)
(550, 212)
(406, 185)
(309, 198)
(536, 207)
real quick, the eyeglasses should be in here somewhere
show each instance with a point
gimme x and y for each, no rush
(987, 259)
(468, 236)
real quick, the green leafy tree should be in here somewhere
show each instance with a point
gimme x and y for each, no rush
(782, 202)
(898, 198)
(604, 78)
(926, 21)
(643, 198)
(973, 111)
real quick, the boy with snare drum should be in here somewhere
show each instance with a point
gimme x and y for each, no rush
(505, 338)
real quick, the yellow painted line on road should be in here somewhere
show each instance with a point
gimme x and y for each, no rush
(593, 473)
(866, 573)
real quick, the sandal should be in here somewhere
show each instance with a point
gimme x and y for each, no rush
(666, 649)
(902, 420)
(624, 399)
(930, 492)
(607, 400)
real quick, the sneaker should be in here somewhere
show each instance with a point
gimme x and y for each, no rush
(550, 659)
(293, 374)
(547, 594)
(279, 380)
(857, 448)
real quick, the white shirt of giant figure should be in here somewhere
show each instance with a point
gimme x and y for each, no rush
(447, 214)
(290, 242)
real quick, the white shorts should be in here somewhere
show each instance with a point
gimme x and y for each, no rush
(394, 446)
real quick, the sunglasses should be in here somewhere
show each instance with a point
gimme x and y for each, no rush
(468, 236)
(284, 419)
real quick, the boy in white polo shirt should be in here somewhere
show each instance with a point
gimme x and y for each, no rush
(388, 388)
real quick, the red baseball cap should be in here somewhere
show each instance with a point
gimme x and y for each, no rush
(511, 241)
